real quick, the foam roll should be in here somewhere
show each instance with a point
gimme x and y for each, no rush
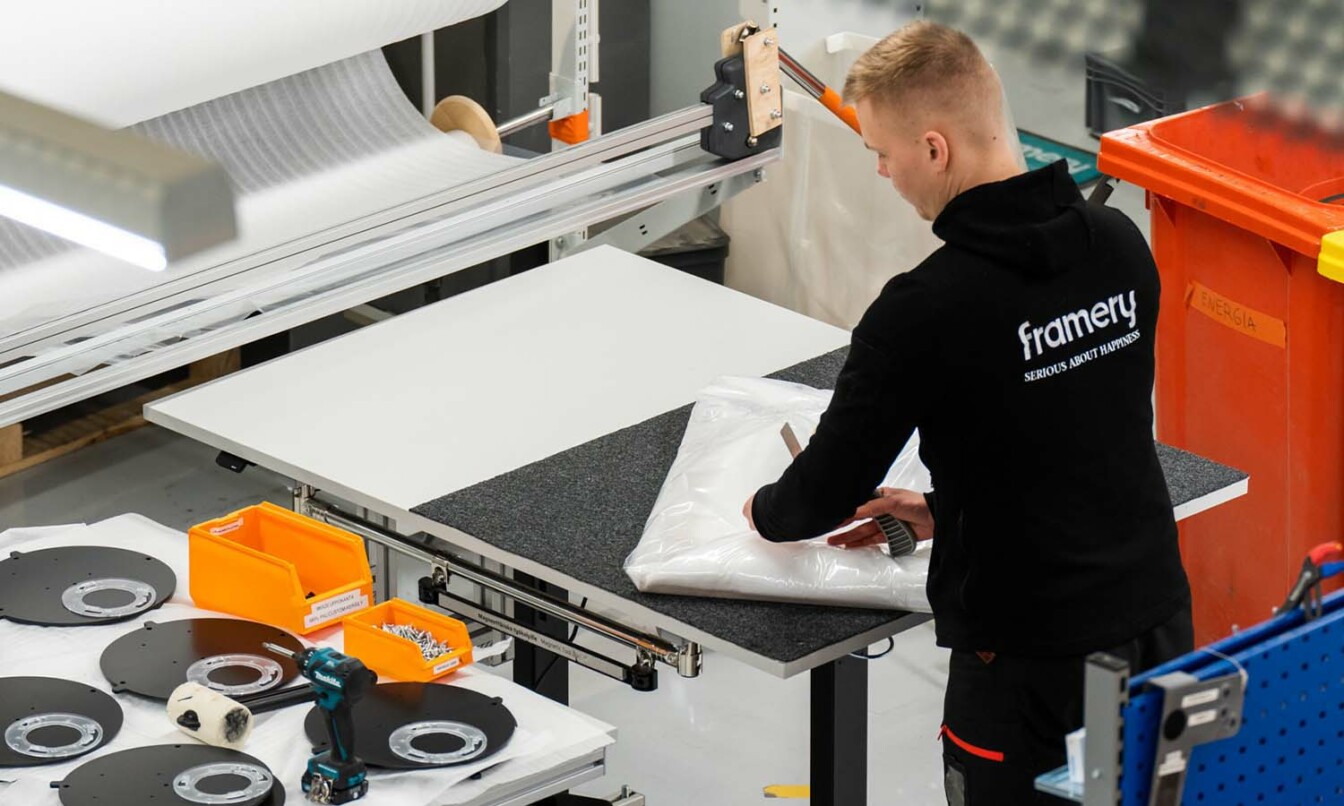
(209, 716)
(305, 153)
(125, 62)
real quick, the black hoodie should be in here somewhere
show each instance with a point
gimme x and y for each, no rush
(1022, 350)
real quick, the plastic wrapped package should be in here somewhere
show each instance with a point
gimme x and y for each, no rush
(697, 542)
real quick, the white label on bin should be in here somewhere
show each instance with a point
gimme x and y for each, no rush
(335, 607)
(1203, 717)
(446, 665)
(225, 528)
(1199, 698)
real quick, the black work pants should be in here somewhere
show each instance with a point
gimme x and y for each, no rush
(1005, 718)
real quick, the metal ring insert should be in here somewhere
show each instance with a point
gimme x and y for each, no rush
(90, 733)
(187, 783)
(270, 673)
(473, 741)
(142, 597)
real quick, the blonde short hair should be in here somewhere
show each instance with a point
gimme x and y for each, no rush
(921, 61)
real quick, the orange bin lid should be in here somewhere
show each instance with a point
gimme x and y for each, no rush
(1237, 163)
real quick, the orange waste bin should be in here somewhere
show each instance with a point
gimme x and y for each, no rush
(1250, 341)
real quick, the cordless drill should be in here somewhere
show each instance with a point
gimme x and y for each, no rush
(339, 681)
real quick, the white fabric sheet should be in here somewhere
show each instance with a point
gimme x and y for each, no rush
(124, 62)
(697, 542)
(547, 733)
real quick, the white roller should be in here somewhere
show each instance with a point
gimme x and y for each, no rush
(124, 62)
(209, 716)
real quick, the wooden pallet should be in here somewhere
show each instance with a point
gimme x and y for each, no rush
(20, 451)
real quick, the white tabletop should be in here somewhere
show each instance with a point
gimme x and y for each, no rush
(450, 395)
(554, 748)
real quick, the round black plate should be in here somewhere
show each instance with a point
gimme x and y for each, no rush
(389, 706)
(153, 660)
(144, 777)
(31, 583)
(26, 697)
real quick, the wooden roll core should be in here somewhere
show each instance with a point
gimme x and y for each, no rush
(458, 113)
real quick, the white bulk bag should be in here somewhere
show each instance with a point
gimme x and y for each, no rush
(697, 542)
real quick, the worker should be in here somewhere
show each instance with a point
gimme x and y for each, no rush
(1022, 351)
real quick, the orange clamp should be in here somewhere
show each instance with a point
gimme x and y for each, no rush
(571, 130)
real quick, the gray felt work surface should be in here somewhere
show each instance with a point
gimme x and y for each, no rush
(581, 511)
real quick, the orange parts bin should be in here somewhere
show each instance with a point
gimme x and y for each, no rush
(1250, 351)
(400, 658)
(275, 566)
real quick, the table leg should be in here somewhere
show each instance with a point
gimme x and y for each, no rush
(840, 733)
(544, 672)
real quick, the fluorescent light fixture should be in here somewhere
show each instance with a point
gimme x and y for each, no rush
(82, 229)
(113, 191)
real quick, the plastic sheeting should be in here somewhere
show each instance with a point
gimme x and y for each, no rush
(697, 542)
(305, 153)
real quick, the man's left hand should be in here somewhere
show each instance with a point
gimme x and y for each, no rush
(746, 512)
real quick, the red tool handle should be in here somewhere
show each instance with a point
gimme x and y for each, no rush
(1326, 552)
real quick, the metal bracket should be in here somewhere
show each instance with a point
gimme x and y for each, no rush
(743, 124)
(228, 461)
(647, 226)
(1194, 712)
(641, 675)
(574, 51)
(1106, 693)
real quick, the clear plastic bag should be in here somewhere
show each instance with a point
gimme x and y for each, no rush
(697, 542)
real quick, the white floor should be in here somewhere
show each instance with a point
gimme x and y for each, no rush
(717, 739)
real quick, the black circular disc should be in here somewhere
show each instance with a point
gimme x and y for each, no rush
(32, 584)
(389, 706)
(25, 699)
(145, 776)
(153, 660)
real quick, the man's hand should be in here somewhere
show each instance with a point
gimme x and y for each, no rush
(906, 505)
(746, 512)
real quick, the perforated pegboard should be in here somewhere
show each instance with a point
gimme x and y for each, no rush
(1290, 749)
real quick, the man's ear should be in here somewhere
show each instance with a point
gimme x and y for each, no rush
(937, 150)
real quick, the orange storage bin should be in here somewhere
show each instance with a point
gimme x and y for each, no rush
(1250, 343)
(275, 566)
(400, 658)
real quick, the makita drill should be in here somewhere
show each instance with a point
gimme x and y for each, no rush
(339, 681)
